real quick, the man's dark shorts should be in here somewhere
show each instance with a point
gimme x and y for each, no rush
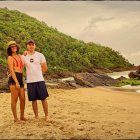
(37, 91)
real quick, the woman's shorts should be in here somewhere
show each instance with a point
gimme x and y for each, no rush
(19, 78)
(37, 91)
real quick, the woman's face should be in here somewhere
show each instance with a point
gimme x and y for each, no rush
(13, 48)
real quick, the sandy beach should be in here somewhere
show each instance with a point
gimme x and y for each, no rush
(84, 113)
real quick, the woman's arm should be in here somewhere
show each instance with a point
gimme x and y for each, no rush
(11, 68)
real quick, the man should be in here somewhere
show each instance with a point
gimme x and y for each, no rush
(36, 66)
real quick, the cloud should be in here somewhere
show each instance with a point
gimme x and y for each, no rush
(94, 22)
(133, 57)
(115, 24)
(114, 29)
(134, 54)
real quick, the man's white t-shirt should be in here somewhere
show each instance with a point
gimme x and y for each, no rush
(33, 67)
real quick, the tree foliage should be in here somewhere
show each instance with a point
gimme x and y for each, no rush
(63, 53)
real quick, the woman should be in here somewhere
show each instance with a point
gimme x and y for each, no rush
(15, 80)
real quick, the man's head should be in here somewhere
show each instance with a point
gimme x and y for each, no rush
(31, 45)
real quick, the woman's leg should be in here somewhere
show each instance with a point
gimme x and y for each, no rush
(14, 99)
(22, 103)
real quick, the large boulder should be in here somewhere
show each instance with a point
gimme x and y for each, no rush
(3, 79)
(135, 74)
(4, 85)
(84, 79)
(94, 79)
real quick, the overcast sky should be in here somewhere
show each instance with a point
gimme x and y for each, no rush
(115, 24)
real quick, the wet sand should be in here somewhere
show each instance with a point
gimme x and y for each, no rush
(85, 113)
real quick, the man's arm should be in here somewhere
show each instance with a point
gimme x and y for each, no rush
(44, 67)
(43, 64)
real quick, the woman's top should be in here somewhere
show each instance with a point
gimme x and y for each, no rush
(17, 63)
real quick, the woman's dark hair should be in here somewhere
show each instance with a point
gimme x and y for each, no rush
(9, 51)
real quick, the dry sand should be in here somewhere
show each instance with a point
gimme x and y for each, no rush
(88, 113)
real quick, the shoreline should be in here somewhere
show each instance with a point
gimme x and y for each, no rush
(124, 89)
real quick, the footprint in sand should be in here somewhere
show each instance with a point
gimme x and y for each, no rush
(62, 128)
(54, 113)
(80, 129)
(29, 134)
(131, 132)
(77, 113)
(85, 121)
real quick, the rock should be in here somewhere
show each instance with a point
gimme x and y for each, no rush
(94, 79)
(60, 84)
(134, 74)
(121, 78)
(84, 79)
(69, 80)
(72, 84)
(57, 75)
(82, 82)
(4, 85)
(3, 79)
(3, 72)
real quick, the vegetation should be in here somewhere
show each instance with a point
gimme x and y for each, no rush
(132, 82)
(63, 53)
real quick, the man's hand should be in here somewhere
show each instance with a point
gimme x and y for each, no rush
(25, 53)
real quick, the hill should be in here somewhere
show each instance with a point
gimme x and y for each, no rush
(62, 52)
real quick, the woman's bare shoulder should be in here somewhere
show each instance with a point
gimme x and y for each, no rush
(19, 55)
(10, 58)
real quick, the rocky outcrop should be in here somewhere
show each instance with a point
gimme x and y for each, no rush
(121, 78)
(3, 72)
(94, 79)
(3, 79)
(135, 74)
(4, 85)
(75, 80)
(84, 79)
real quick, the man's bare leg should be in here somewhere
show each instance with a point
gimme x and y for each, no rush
(45, 107)
(35, 108)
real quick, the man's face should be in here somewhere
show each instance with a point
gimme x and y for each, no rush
(31, 46)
